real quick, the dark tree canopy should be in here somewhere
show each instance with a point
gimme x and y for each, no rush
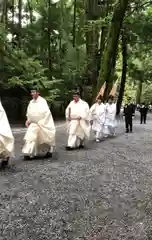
(60, 44)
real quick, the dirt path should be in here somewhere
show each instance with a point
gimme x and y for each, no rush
(104, 191)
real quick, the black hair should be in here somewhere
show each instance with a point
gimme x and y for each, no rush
(76, 91)
(110, 97)
(99, 98)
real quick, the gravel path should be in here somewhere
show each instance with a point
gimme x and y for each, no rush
(103, 192)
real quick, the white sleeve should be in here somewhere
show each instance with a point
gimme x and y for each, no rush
(67, 111)
(86, 112)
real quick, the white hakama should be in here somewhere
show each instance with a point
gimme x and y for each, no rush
(6, 137)
(78, 130)
(110, 120)
(40, 135)
(98, 117)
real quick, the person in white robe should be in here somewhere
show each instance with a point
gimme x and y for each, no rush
(110, 118)
(40, 135)
(78, 119)
(98, 118)
(6, 139)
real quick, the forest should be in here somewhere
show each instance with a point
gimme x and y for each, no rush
(60, 44)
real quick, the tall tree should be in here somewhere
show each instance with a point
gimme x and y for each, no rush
(74, 22)
(49, 41)
(124, 70)
(93, 13)
(19, 34)
(110, 53)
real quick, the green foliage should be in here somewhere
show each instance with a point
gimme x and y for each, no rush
(40, 49)
(138, 29)
(130, 91)
(147, 93)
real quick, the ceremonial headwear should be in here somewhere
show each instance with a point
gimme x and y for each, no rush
(37, 86)
(113, 90)
(34, 87)
(111, 97)
(99, 97)
(101, 92)
(76, 92)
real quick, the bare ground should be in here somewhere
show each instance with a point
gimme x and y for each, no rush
(103, 192)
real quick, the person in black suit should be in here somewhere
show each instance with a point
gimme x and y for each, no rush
(143, 113)
(129, 114)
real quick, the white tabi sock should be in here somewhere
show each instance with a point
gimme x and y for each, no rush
(51, 149)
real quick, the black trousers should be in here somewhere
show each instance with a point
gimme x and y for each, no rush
(128, 122)
(143, 118)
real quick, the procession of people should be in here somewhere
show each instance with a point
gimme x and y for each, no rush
(80, 118)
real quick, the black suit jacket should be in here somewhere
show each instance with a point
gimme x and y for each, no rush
(129, 111)
(143, 110)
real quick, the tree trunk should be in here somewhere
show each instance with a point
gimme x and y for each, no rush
(74, 23)
(13, 15)
(30, 11)
(61, 44)
(4, 20)
(99, 56)
(4, 11)
(92, 37)
(104, 31)
(19, 22)
(61, 36)
(92, 10)
(124, 72)
(49, 42)
(13, 12)
(109, 59)
(139, 92)
(102, 45)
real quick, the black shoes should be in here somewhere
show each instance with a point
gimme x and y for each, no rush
(4, 163)
(48, 155)
(127, 131)
(81, 146)
(28, 158)
(71, 148)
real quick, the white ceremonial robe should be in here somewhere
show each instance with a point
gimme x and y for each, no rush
(110, 120)
(98, 116)
(40, 135)
(6, 136)
(78, 130)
